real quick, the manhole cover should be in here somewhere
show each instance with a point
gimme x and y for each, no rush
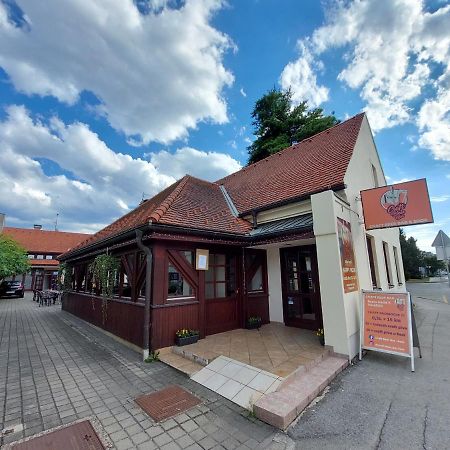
(79, 436)
(167, 403)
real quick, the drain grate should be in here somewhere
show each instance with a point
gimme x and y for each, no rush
(79, 436)
(166, 403)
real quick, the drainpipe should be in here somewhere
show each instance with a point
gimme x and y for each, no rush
(148, 281)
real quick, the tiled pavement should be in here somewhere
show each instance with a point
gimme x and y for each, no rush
(55, 369)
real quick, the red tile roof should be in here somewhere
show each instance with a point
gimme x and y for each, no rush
(317, 163)
(44, 241)
(314, 164)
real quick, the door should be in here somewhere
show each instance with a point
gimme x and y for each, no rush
(300, 286)
(221, 293)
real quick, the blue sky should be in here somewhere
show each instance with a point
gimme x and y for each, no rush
(102, 103)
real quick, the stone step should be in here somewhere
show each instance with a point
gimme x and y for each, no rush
(191, 355)
(280, 408)
(180, 363)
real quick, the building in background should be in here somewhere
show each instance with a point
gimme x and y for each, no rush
(42, 247)
(442, 245)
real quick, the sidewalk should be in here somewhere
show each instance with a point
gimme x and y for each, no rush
(56, 369)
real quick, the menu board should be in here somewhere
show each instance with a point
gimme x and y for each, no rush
(348, 261)
(386, 323)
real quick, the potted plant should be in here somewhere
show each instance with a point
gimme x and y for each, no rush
(186, 337)
(320, 334)
(253, 323)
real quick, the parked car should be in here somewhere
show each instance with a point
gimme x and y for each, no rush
(11, 288)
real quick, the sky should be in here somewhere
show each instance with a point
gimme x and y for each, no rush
(104, 103)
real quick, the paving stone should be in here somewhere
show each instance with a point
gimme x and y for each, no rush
(61, 369)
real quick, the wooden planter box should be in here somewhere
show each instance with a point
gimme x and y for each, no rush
(253, 325)
(180, 341)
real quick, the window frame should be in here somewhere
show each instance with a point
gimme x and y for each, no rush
(372, 257)
(397, 266)
(387, 264)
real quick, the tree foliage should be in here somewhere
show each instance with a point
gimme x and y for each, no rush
(13, 258)
(411, 255)
(414, 259)
(278, 124)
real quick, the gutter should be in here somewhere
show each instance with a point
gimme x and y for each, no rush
(148, 281)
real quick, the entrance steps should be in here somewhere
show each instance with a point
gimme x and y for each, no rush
(178, 361)
(297, 391)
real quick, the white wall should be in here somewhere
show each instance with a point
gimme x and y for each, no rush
(274, 278)
(359, 177)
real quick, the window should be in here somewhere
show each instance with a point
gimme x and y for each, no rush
(397, 266)
(40, 256)
(372, 259)
(220, 276)
(48, 257)
(387, 263)
(255, 271)
(177, 285)
(375, 176)
(30, 256)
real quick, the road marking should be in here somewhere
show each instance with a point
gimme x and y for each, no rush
(444, 297)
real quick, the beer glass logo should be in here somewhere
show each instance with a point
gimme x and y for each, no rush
(394, 201)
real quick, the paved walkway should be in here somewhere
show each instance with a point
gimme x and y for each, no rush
(55, 369)
(379, 403)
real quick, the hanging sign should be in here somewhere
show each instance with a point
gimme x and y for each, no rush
(386, 323)
(397, 205)
(348, 261)
(201, 259)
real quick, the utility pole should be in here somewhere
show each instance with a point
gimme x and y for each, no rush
(56, 222)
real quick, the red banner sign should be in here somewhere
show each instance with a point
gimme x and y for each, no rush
(397, 205)
(348, 262)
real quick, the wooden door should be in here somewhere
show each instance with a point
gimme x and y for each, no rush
(300, 286)
(221, 293)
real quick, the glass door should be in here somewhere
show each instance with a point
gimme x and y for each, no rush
(301, 296)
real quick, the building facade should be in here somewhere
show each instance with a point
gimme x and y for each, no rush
(283, 239)
(43, 248)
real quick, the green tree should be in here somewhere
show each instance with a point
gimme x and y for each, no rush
(432, 264)
(13, 258)
(278, 124)
(412, 256)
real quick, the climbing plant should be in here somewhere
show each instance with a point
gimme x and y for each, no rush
(65, 277)
(103, 270)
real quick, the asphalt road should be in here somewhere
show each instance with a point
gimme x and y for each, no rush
(379, 403)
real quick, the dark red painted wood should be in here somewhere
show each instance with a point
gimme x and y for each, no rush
(121, 318)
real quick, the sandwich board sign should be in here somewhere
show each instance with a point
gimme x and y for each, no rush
(386, 324)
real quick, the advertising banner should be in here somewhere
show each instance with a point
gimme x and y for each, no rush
(348, 262)
(397, 205)
(386, 323)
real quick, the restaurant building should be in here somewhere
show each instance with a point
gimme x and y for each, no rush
(283, 239)
(43, 247)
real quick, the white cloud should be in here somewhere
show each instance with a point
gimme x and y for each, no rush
(187, 160)
(243, 93)
(156, 75)
(440, 198)
(300, 77)
(101, 184)
(392, 51)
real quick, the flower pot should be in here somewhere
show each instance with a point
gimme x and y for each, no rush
(253, 325)
(322, 340)
(180, 341)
